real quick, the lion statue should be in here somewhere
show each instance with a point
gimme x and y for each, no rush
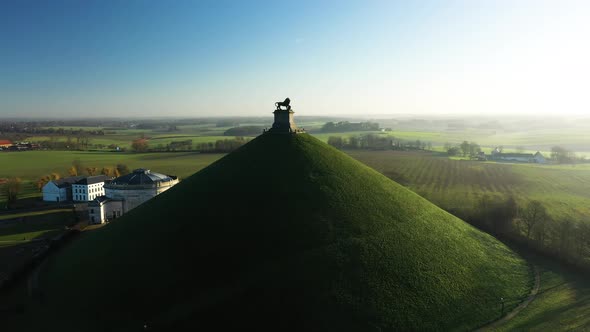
(285, 103)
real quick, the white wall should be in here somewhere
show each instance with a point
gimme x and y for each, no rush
(52, 193)
(86, 193)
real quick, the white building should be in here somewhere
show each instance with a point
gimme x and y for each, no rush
(59, 190)
(127, 192)
(89, 188)
(518, 157)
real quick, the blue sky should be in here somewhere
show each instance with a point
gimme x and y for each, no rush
(215, 58)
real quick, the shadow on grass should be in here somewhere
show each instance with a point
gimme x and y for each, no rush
(563, 301)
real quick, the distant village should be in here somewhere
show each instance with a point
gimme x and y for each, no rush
(6, 145)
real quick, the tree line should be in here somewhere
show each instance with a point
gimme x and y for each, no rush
(244, 131)
(377, 142)
(222, 146)
(465, 149)
(334, 127)
(219, 146)
(529, 223)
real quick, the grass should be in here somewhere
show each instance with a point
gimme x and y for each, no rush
(562, 304)
(30, 214)
(34, 225)
(284, 233)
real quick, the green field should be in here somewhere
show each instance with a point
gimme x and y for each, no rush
(33, 164)
(562, 304)
(528, 141)
(125, 140)
(460, 184)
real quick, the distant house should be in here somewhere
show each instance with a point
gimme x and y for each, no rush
(518, 157)
(87, 189)
(539, 158)
(59, 190)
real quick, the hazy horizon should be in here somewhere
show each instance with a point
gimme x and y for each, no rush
(187, 59)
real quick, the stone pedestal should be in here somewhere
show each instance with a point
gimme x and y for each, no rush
(284, 123)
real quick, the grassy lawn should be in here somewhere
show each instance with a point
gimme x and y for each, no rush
(562, 304)
(34, 225)
(33, 164)
(30, 214)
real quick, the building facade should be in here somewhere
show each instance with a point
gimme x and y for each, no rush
(518, 157)
(102, 209)
(60, 190)
(89, 188)
(127, 192)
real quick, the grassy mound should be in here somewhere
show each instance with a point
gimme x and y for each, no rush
(285, 233)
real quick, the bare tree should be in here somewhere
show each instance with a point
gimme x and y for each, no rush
(465, 148)
(139, 145)
(122, 169)
(72, 171)
(533, 215)
(42, 182)
(77, 168)
(11, 189)
(91, 171)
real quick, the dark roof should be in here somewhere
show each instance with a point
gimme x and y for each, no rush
(508, 155)
(93, 179)
(67, 182)
(142, 176)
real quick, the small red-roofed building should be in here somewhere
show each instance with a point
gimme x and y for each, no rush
(4, 143)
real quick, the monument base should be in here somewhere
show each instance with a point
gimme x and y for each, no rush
(284, 123)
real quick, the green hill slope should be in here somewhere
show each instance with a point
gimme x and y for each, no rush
(284, 233)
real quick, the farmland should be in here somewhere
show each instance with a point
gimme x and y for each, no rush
(460, 184)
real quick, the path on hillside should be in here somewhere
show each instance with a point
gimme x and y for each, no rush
(510, 315)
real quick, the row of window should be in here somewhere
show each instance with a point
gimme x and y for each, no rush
(91, 190)
(83, 197)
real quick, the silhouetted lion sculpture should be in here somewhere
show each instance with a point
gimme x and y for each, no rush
(285, 103)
